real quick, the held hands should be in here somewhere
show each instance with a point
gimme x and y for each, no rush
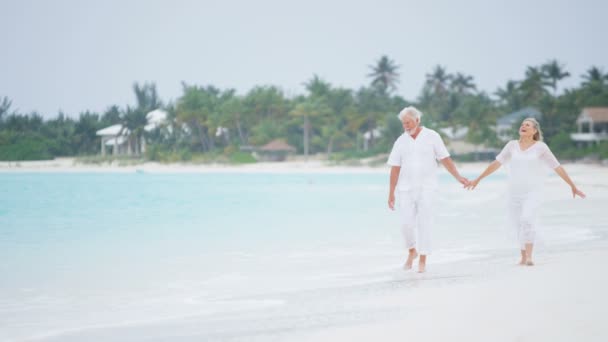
(576, 191)
(465, 182)
(472, 184)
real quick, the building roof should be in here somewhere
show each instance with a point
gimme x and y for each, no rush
(595, 114)
(156, 116)
(154, 119)
(113, 130)
(521, 114)
(277, 145)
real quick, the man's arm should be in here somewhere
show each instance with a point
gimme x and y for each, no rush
(393, 184)
(451, 167)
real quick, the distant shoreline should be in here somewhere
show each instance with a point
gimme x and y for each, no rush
(72, 165)
(68, 165)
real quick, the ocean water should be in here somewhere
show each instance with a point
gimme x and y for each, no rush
(143, 256)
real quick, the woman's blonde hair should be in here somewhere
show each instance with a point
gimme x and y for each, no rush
(538, 136)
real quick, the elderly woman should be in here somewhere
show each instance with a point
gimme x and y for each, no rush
(527, 159)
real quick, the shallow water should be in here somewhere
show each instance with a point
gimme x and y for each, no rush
(99, 256)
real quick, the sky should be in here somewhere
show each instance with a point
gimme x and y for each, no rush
(72, 56)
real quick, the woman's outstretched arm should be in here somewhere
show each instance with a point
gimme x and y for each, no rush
(495, 165)
(564, 175)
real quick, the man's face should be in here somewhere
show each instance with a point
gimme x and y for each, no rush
(410, 124)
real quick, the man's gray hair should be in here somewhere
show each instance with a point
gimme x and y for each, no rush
(411, 111)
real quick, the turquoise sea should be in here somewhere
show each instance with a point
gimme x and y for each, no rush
(100, 256)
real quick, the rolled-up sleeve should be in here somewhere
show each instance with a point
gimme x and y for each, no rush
(441, 151)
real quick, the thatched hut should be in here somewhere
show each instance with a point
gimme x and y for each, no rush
(276, 150)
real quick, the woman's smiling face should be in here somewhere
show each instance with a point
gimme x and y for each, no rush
(527, 129)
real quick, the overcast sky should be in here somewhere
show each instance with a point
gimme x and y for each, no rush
(79, 55)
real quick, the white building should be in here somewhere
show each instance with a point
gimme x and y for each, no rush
(116, 137)
(369, 136)
(592, 126)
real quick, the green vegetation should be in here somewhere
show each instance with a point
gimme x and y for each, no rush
(207, 124)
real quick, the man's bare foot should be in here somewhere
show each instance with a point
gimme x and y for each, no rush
(529, 262)
(522, 262)
(410, 260)
(421, 268)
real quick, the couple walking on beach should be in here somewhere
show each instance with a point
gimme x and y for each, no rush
(413, 179)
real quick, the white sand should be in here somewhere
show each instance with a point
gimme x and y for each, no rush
(562, 299)
(71, 165)
(297, 166)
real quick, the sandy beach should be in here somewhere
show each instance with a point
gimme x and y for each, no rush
(483, 298)
(561, 299)
(292, 166)
(72, 165)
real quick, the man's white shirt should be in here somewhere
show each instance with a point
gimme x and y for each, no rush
(418, 159)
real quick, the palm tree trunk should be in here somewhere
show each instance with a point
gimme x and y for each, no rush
(210, 140)
(330, 146)
(306, 135)
(240, 130)
(201, 136)
(142, 145)
(129, 147)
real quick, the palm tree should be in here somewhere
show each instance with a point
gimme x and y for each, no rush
(554, 72)
(438, 80)
(134, 119)
(84, 137)
(5, 106)
(341, 106)
(309, 108)
(146, 96)
(317, 87)
(461, 83)
(594, 75)
(232, 109)
(533, 86)
(384, 75)
(510, 95)
(195, 108)
(265, 102)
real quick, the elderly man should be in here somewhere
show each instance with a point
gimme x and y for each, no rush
(414, 176)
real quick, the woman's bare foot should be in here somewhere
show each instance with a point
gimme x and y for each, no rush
(528, 254)
(410, 260)
(422, 264)
(522, 261)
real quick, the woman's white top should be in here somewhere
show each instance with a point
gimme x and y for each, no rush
(418, 159)
(526, 168)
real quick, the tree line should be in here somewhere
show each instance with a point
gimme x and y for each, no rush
(340, 122)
